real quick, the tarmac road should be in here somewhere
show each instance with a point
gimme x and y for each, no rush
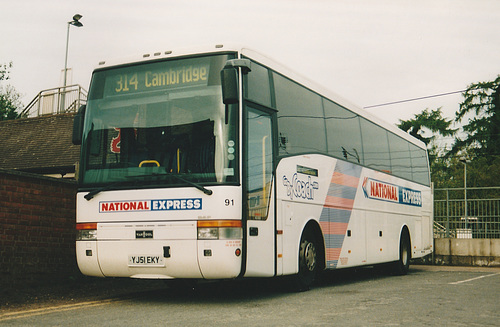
(427, 296)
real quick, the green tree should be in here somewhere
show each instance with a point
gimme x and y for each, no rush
(9, 98)
(432, 120)
(425, 122)
(481, 106)
(480, 145)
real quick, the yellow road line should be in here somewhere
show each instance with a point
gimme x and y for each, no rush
(58, 308)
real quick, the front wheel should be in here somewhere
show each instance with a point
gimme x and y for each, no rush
(308, 262)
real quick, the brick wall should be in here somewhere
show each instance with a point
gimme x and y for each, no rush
(37, 228)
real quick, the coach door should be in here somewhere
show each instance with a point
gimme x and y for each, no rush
(259, 208)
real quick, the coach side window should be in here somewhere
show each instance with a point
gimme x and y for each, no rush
(257, 87)
(301, 124)
(420, 172)
(343, 133)
(375, 146)
(400, 156)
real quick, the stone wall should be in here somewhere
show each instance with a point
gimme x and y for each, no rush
(467, 252)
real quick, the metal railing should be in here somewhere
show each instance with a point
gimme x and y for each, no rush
(482, 219)
(56, 101)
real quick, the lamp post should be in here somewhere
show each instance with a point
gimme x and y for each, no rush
(464, 161)
(75, 22)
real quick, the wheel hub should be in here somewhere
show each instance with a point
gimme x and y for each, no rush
(310, 256)
(404, 256)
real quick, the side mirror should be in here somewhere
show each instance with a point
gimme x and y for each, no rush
(229, 83)
(229, 79)
(78, 126)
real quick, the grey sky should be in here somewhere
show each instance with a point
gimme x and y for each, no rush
(368, 52)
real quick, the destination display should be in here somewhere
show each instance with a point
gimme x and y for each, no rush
(157, 76)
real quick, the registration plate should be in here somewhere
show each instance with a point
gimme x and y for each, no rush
(145, 260)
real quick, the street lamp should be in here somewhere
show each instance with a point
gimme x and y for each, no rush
(464, 161)
(75, 22)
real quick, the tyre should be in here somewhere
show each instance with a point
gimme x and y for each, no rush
(308, 262)
(402, 266)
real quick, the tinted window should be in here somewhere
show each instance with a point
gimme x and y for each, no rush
(343, 134)
(259, 163)
(257, 87)
(375, 146)
(300, 118)
(400, 157)
(420, 172)
(148, 122)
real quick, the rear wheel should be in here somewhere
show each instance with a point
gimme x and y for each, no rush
(403, 264)
(308, 261)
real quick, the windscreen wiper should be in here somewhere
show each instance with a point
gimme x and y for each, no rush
(93, 193)
(89, 196)
(111, 186)
(196, 185)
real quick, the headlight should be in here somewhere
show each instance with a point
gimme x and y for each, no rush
(86, 235)
(208, 233)
(219, 229)
(86, 232)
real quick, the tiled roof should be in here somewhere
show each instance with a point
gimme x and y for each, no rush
(39, 143)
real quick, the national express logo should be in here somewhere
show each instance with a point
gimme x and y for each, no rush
(150, 205)
(378, 190)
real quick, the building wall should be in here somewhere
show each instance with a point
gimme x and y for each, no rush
(37, 228)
